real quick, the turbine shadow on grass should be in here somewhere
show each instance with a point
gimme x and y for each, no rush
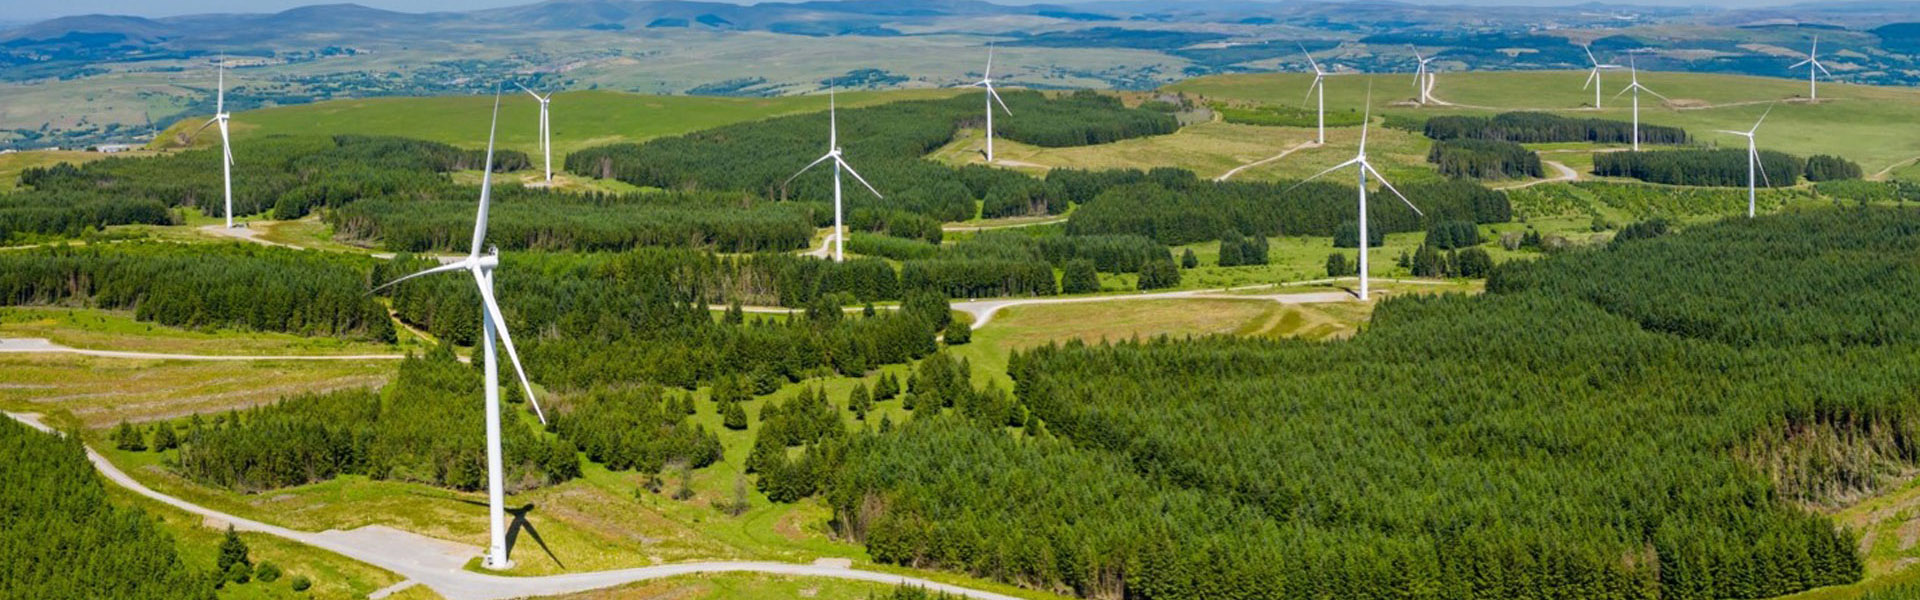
(520, 522)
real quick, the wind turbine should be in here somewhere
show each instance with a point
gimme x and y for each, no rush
(1319, 85)
(492, 325)
(546, 129)
(1365, 167)
(1753, 159)
(986, 81)
(833, 154)
(1636, 88)
(1422, 77)
(220, 117)
(1814, 69)
(1593, 76)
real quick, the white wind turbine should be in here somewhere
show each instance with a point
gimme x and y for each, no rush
(1365, 167)
(986, 82)
(1423, 77)
(492, 325)
(546, 128)
(1636, 88)
(1753, 160)
(1593, 76)
(833, 154)
(1320, 86)
(1814, 69)
(220, 117)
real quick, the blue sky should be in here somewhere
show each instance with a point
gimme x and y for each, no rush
(23, 10)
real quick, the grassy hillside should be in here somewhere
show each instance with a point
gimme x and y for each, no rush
(580, 119)
(1867, 124)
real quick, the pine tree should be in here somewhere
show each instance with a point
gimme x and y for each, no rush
(233, 551)
(1188, 260)
(733, 415)
(164, 438)
(128, 437)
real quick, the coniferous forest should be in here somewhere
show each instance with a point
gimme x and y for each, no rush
(1611, 427)
(63, 538)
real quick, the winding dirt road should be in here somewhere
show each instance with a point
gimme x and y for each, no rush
(440, 565)
(1283, 154)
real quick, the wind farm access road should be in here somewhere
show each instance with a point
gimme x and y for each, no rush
(440, 565)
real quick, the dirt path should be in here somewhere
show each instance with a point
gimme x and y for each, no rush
(1566, 173)
(1283, 154)
(44, 346)
(952, 228)
(440, 565)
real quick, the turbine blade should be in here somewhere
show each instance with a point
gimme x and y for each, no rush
(1759, 165)
(1624, 90)
(1317, 82)
(1366, 119)
(1590, 58)
(202, 127)
(803, 170)
(1383, 181)
(486, 181)
(506, 341)
(1732, 132)
(529, 92)
(988, 74)
(1322, 174)
(1800, 64)
(857, 177)
(1310, 61)
(833, 118)
(1655, 94)
(996, 98)
(1823, 68)
(1592, 76)
(446, 268)
(1763, 119)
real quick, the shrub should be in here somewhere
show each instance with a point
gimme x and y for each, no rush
(734, 416)
(959, 334)
(1338, 266)
(267, 572)
(1159, 274)
(301, 583)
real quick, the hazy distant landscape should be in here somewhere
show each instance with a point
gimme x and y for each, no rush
(123, 78)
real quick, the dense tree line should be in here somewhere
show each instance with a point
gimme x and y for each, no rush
(1286, 116)
(1081, 118)
(538, 220)
(25, 215)
(1826, 167)
(243, 286)
(1609, 427)
(609, 320)
(1484, 159)
(978, 277)
(884, 142)
(1200, 211)
(62, 537)
(1541, 128)
(1721, 168)
(286, 175)
(642, 428)
(427, 426)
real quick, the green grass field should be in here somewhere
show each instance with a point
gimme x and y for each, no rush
(12, 163)
(1861, 123)
(580, 119)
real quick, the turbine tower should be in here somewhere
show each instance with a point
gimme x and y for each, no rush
(1593, 76)
(986, 81)
(220, 117)
(1364, 167)
(1423, 77)
(546, 129)
(1814, 69)
(492, 325)
(1753, 160)
(1636, 88)
(1320, 86)
(833, 154)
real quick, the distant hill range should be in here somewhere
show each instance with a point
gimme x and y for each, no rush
(675, 46)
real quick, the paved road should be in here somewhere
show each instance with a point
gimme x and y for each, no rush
(44, 346)
(1283, 154)
(439, 564)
